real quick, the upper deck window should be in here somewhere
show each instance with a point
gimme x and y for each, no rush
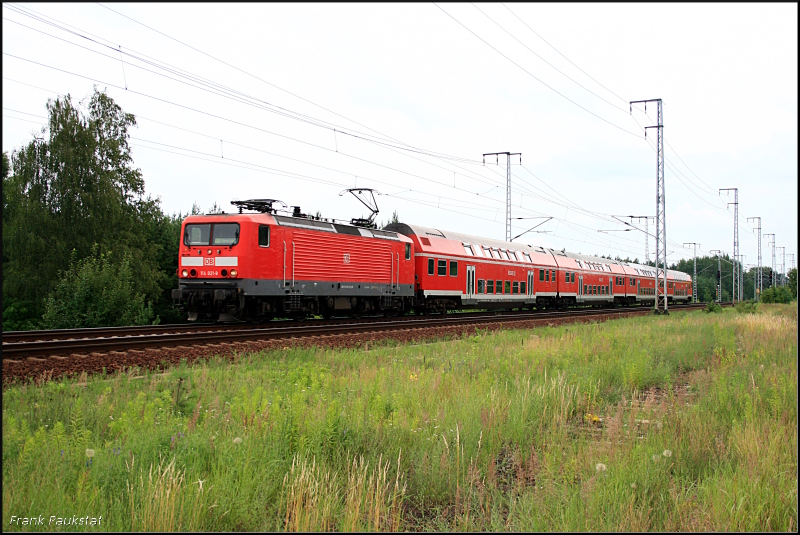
(468, 249)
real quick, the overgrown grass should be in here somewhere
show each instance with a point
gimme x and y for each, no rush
(685, 422)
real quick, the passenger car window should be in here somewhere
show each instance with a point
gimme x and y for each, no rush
(508, 287)
(547, 275)
(572, 277)
(480, 286)
(453, 268)
(566, 276)
(468, 249)
(522, 288)
(553, 276)
(499, 287)
(442, 268)
(515, 287)
(541, 275)
(430, 266)
(263, 236)
(490, 287)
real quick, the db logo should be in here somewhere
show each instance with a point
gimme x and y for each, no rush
(512, 273)
(208, 261)
(346, 259)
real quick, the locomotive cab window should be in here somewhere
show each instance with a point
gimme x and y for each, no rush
(225, 234)
(408, 251)
(263, 236)
(442, 268)
(197, 234)
(453, 268)
(430, 266)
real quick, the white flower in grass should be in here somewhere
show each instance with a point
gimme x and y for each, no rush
(90, 453)
(237, 440)
(633, 485)
(600, 467)
(667, 453)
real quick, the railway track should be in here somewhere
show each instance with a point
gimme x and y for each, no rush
(116, 348)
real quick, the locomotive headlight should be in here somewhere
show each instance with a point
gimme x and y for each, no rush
(184, 273)
(233, 273)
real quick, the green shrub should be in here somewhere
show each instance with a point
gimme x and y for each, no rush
(712, 307)
(776, 294)
(96, 292)
(747, 307)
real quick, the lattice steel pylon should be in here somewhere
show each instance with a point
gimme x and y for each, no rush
(719, 273)
(661, 212)
(508, 184)
(772, 244)
(694, 279)
(759, 283)
(783, 265)
(736, 277)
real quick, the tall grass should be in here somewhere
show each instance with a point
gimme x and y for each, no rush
(686, 422)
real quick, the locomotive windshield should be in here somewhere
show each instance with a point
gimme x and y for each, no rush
(196, 234)
(226, 233)
(223, 234)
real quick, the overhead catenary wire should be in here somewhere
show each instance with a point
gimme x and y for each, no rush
(534, 76)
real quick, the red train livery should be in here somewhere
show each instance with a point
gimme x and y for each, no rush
(262, 265)
(257, 266)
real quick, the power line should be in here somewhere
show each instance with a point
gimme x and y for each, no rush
(562, 55)
(533, 76)
(550, 64)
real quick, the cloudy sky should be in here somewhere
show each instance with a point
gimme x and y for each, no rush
(298, 102)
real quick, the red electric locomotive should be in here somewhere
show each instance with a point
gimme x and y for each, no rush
(255, 266)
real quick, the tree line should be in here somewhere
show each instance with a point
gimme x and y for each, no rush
(83, 246)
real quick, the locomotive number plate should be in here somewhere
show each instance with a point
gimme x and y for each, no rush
(209, 273)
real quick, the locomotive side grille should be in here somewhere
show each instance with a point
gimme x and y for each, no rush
(329, 257)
